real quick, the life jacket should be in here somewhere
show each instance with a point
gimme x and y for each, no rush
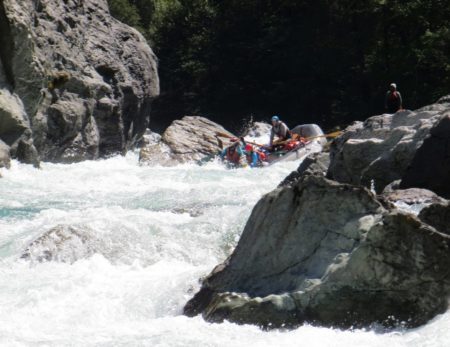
(289, 146)
(262, 156)
(393, 97)
(232, 155)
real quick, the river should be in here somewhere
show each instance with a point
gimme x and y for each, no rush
(152, 232)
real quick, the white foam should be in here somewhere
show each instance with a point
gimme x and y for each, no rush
(155, 232)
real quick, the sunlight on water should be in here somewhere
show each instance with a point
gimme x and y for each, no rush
(147, 234)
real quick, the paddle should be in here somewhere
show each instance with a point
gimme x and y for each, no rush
(228, 136)
(329, 135)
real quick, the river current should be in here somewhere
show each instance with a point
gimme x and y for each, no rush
(152, 233)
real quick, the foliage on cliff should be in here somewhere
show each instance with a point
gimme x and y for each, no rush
(327, 61)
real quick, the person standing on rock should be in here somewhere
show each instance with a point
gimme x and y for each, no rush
(279, 129)
(393, 101)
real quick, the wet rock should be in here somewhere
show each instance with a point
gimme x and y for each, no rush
(157, 154)
(62, 243)
(259, 129)
(381, 148)
(85, 81)
(149, 138)
(332, 256)
(26, 152)
(430, 166)
(185, 140)
(5, 159)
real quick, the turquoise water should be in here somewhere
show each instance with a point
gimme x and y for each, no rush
(150, 234)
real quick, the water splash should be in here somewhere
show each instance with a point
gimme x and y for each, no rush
(151, 234)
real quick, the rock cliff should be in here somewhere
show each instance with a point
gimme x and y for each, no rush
(75, 83)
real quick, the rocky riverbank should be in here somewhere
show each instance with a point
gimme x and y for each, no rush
(324, 248)
(75, 83)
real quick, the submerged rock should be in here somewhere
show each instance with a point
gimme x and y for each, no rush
(329, 254)
(185, 140)
(62, 243)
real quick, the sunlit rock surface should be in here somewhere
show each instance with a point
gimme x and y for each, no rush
(330, 254)
(82, 82)
(381, 148)
(191, 138)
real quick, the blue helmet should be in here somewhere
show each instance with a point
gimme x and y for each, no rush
(275, 118)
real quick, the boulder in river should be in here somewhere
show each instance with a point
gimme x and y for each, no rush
(62, 243)
(189, 139)
(330, 254)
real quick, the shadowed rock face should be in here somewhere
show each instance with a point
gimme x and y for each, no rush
(437, 215)
(430, 167)
(82, 81)
(331, 254)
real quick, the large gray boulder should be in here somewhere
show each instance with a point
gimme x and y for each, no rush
(430, 167)
(380, 149)
(83, 81)
(330, 254)
(189, 139)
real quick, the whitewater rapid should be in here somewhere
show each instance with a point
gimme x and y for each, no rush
(154, 232)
